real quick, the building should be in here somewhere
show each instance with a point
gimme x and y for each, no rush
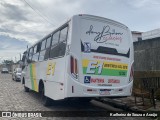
(151, 34)
(147, 52)
(136, 36)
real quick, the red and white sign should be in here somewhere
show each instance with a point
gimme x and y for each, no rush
(97, 80)
(113, 81)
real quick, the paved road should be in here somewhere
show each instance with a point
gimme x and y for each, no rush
(13, 98)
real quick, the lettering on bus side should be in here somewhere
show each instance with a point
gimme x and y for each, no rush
(51, 68)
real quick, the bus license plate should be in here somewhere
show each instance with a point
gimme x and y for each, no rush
(104, 92)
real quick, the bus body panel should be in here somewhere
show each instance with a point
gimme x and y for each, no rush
(76, 89)
(55, 77)
(105, 74)
(52, 73)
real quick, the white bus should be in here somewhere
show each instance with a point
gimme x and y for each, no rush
(86, 57)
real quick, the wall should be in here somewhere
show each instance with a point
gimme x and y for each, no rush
(147, 55)
(135, 36)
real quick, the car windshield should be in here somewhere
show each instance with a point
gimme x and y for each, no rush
(5, 69)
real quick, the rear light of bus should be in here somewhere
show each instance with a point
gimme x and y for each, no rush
(73, 67)
(131, 74)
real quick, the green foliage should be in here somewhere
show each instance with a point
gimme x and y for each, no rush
(7, 62)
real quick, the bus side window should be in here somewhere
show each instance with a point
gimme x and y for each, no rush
(62, 48)
(24, 59)
(41, 55)
(59, 49)
(43, 50)
(54, 51)
(35, 49)
(30, 55)
(43, 45)
(55, 38)
(63, 34)
(48, 44)
(39, 47)
(35, 56)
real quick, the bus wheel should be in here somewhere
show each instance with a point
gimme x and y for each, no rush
(45, 100)
(26, 89)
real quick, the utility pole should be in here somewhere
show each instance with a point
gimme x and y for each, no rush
(15, 60)
(20, 56)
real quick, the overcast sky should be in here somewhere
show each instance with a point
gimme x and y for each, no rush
(21, 26)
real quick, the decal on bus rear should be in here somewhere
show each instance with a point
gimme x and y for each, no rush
(104, 68)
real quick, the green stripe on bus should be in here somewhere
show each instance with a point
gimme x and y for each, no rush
(109, 72)
(31, 76)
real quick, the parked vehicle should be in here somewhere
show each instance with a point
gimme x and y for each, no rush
(16, 75)
(4, 70)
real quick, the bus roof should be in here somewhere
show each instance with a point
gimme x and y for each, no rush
(100, 18)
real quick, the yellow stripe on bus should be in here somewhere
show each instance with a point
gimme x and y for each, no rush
(107, 65)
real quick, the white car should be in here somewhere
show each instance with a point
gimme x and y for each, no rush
(16, 75)
(4, 70)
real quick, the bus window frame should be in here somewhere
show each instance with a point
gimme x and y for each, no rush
(30, 55)
(50, 36)
(45, 44)
(36, 45)
(65, 36)
(53, 37)
(35, 51)
(59, 29)
(39, 50)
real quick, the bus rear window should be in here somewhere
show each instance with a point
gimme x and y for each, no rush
(106, 50)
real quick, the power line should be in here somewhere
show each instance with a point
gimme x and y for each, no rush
(40, 14)
(39, 4)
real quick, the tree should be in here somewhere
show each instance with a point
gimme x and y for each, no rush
(7, 62)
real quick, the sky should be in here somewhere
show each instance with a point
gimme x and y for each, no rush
(23, 22)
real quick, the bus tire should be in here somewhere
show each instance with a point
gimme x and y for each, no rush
(26, 89)
(46, 101)
(23, 82)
